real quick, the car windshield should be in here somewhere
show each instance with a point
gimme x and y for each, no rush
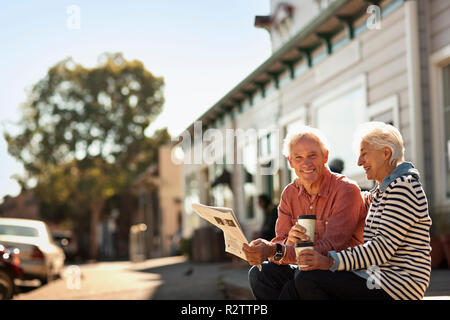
(18, 231)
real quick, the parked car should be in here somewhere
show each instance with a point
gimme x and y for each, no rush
(66, 241)
(9, 270)
(41, 258)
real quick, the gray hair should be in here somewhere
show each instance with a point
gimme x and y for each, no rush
(380, 135)
(304, 131)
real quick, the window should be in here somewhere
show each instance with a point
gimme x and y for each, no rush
(18, 231)
(385, 111)
(250, 167)
(222, 196)
(440, 116)
(192, 193)
(290, 122)
(337, 115)
(265, 149)
(291, 128)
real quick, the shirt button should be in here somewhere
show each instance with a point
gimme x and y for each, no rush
(310, 207)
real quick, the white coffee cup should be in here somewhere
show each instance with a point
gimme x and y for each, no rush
(309, 223)
(299, 247)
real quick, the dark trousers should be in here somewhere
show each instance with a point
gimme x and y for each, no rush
(273, 282)
(276, 282)
(339, 285)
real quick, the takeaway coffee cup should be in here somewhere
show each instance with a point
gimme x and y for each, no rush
(299, 247)
(309, 223)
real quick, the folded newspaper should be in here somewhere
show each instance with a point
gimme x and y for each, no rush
(225, 219)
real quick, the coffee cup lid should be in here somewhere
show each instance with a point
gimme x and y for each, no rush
(307, 216)
(304, 244)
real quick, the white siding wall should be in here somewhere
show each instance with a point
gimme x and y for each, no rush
(439, 23)
(305, 11)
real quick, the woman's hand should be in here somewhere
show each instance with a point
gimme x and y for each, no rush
(314, 260)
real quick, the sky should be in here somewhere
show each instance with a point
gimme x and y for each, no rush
(202, 49)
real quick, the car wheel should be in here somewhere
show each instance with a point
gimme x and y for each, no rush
(6, 285)
(48, 278)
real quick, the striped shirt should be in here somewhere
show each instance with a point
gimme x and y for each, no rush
(396, 249)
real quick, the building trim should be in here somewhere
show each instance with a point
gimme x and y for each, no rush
(299, 113)
(414, 84)
(357, 82)
(390, 103)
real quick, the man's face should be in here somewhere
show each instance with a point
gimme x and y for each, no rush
(308, 160)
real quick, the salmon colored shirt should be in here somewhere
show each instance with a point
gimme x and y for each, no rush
(339, 209)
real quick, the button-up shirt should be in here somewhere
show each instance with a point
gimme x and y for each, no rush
(339, 209)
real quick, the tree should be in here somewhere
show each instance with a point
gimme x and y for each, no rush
(82, 134)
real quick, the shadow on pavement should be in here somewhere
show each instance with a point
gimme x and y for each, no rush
(193, 281)
(25, 286)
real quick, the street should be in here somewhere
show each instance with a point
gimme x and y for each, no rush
(164, 278)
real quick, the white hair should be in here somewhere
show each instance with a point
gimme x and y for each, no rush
(380, 135)
(300, 132)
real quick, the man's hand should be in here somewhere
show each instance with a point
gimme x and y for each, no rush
(258, 251)
(313, 260)
(296, 234)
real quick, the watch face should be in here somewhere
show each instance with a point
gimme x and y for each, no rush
(279, 253)
(277, 256)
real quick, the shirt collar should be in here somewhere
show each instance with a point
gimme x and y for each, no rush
(324, 187)
(405, 168)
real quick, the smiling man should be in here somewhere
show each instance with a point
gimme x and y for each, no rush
(334, 200)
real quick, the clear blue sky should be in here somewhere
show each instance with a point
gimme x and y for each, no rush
(202, 48)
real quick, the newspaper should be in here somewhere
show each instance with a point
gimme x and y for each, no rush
(225, 219)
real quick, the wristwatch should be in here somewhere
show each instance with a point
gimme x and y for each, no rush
(279, 253)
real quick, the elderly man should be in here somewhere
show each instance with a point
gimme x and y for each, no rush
(334, 200)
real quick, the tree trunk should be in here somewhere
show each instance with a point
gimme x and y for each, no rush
(96, 210)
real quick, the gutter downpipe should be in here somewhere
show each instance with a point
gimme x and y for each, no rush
(414, 84)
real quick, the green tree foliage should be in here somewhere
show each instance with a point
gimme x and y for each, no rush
(82, 134)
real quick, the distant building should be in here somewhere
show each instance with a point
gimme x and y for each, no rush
(25, 206)
(334, 65)
(159, 191)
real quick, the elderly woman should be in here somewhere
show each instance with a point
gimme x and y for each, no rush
(394, 261)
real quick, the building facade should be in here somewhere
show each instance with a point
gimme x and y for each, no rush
(156, 222)
(335, 64)
(23, 206)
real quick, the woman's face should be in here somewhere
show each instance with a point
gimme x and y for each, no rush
(374, 162)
